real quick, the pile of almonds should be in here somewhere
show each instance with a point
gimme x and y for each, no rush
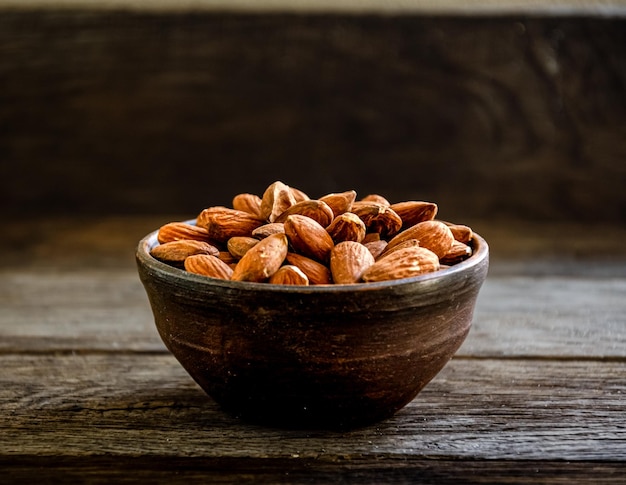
(285, 237)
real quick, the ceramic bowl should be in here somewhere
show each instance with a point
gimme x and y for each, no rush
(327, 356)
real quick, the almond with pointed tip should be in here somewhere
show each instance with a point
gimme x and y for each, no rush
(317, 273)
(315, 209)
(250, 203)
(461, 232)
(414, 211)
(457, 253)
(240, 245)
(210, 266)
(433, 235)
(348, 261)
(346, 227)
(378, 218)
(262, 260)
(376, 198)
(404, 263)
(268, 229)
(277, 198)
(340, 202)
(176, 231)
(289, 275)
(223, 223)
(177, 251)
(308, 237)
(376, 247)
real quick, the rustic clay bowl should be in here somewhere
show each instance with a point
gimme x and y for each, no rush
(331, 356)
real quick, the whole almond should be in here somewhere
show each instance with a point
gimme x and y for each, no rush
(206, 265)
(405, 263)
(227, 258)
(457, 253)
(277, 198)
(348, 261)
(346, 227)
(178, 251)
(223, 223)
(268, 229)
(175, 231)
(378, 218)
(315, 209)
(376, 198)
(250, 203)
(414, 211)
(289, 275)
(239, 245)
(433, 235)
(317, 273)
(404, 244)
(298, 195)
(376, 247)
(461, 232)
(262, 260)
(308, 237)
(339, 202)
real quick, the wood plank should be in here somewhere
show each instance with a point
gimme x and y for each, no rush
(127, 405)
(107, 310)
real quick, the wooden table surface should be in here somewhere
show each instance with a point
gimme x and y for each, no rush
(88, 393)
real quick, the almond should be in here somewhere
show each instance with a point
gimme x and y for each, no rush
(315, 209)
(414, 211)
(175, 231)
(289, 275)
(308, 237)
(461, 233)
(378, 218)
(404, 263)
(346, 227)
(227, 258)
(249, 203)
(177, 251)
(317, 273)
(277, 198)
(268, 229)
(262, 260)
(404, 244)
(339, 202)
(298, 195)
(348, 261)
(379, 199)
(376, 247)
(433, 235)
(206, 265)
(457, 253)
(239, 245)
(223, 223)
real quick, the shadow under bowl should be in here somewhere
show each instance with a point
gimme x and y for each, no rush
(327, 356)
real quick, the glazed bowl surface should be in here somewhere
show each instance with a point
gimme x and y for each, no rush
(319, 356)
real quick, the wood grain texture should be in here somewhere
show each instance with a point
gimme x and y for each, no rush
(112, 112)
(481, 409)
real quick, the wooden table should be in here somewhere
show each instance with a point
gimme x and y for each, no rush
(88, 393)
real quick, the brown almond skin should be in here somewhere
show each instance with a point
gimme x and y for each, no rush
(239, 245)
(210, 266)
(316, 272)
(315, 209)
(378, 218)
(277, 198)
(457, 253)
(308, 237)
(414, 211)
(346, 227)
(376, 198)
(268, 229)
(176, 231)
(223, 223)
(339, 202)
(289, 275)
(250, 203)
(348, 261)
(298, 194)
(376, 247)
(433, 235)
(461, 232)
(262, 260)
(178, 251)
(404, 244)
(404, 263)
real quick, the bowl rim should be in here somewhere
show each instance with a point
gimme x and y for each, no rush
(479, 255)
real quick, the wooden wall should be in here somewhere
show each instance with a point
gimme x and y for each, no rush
(495, 116)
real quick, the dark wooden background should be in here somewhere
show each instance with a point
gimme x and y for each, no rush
(139, 113)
